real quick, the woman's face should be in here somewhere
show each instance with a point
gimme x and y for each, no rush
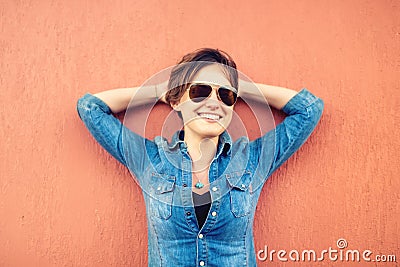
(210, 117)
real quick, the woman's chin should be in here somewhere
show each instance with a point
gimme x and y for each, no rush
(205, 129)
(210, 133)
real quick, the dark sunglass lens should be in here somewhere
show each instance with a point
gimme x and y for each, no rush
(227, 96)
(199, 92)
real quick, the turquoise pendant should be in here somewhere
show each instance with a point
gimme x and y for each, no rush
(199, 185)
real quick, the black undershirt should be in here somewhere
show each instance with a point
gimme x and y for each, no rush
(202, 204)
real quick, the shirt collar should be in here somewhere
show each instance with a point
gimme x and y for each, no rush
(224, 142)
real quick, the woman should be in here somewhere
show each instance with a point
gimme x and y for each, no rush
(201, 189)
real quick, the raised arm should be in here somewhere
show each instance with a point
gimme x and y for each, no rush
(96, 112)
(118, 99)
(303, 110)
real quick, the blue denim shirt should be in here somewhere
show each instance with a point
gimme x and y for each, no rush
(236, 175)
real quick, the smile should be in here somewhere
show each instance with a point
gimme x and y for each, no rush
(210, 116)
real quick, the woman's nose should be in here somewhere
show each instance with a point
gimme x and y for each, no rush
(214, 95)
(213, 101)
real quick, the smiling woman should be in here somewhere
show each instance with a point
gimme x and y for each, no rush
(210, 222)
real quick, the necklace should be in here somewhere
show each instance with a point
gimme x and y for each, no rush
(199, 184)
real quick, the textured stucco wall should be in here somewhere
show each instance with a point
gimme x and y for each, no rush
(65, 202)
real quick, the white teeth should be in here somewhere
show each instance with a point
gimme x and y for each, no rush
(209, 116)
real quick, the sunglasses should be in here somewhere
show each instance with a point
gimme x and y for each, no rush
(201, 91)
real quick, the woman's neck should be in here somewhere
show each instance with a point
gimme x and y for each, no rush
(201, 149)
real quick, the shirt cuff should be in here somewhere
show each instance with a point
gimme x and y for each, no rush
(300, 101)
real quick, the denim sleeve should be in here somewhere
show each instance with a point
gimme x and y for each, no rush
(100, 122)
(304, 111)
(111, 134)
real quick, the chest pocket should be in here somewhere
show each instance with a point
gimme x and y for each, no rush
(161, 195)
(240, 192)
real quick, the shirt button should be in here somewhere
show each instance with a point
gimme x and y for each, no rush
(243, 186)
(200, 236)
(159, 188)
(184, 185)
(213, 213)
(188, 213)
(201, 263)
(214, 188)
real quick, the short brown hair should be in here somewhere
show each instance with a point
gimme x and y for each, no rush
(182, 73)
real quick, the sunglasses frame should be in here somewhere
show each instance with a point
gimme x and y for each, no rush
(214, 86)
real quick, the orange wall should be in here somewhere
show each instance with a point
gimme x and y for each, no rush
(65, 202)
